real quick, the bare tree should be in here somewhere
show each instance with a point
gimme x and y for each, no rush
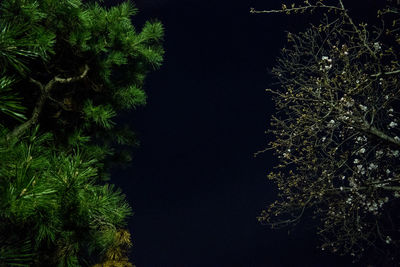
(337, 131)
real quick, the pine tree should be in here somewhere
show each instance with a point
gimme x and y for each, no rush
(89, 63)
(70, 67)
(51, 201)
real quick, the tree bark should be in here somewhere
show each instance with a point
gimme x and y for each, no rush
(45, 91)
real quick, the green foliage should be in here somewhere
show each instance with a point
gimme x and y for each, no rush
(15, 253)
(130, 97)
(11, 52)
(58, 38)
(100, 114)
(22, 38)
(70, 67)
(52, 198)
(10, 103)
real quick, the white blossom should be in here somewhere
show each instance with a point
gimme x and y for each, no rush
(356, 161)
(377, 46)
(363, 108)
(359, 139)
(348, 102)
(328, 62)
(392, 124)
(372, 166)
(331, 123)
(362, 150)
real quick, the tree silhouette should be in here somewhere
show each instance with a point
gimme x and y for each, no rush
(336, 131)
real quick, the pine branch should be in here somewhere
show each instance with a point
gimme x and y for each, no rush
(45, 92)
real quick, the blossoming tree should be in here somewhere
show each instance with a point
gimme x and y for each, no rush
(337, 131)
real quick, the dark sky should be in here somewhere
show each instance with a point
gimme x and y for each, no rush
(194, 185)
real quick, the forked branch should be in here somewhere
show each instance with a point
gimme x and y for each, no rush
(45, 92)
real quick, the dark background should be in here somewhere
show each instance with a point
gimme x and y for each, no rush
(194, 185)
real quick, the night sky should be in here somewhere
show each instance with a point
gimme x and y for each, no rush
(194, 185)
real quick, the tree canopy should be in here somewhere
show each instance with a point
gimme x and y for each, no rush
(67, 70)
(336, 131)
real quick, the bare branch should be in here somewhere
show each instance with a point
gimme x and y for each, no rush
(73, 79)
(39, 84)
(337, 133)
(299, 9)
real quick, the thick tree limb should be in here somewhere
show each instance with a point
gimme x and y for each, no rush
(386, 73)
(373, 130)
(45, 91)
